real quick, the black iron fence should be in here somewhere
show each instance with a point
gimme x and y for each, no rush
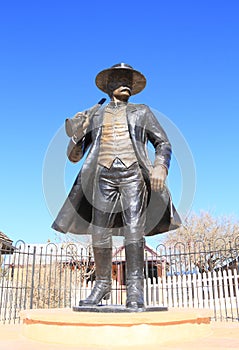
(197, 275)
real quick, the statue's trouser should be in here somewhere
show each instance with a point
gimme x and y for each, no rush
(118, 190)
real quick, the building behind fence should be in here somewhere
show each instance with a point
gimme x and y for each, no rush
(59, 275)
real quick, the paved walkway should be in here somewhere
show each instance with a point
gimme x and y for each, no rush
(224, 336)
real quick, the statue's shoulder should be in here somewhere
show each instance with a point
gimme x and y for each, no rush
(138, 106)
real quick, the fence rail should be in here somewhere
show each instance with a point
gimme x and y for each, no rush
(58, 276)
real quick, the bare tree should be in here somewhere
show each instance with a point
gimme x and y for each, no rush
(210, 241)
(205, 228)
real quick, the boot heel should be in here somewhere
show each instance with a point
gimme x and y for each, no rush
(107, 296)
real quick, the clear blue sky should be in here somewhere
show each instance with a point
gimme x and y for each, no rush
(51, 52)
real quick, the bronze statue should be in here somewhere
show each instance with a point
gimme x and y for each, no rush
(118, 191)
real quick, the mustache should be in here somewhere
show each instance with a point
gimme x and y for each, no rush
(125, 88)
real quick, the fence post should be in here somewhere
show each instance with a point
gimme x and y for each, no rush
(33, 272)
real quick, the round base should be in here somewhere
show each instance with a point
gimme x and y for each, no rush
(115, 330)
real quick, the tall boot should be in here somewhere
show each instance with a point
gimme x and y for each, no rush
(135, 275)
(103, 271)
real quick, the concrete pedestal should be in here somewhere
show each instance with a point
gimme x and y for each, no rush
(95, 329)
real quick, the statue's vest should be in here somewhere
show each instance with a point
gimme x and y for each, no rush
(115, 139)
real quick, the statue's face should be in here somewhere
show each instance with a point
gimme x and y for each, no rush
(122, 93)
(120, 86)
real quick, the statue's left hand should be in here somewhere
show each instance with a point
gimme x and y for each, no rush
(157, 177)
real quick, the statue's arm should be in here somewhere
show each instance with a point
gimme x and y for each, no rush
(80, 140)
(78, 128)
(158, 137)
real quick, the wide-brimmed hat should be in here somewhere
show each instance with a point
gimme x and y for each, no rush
(138, 79)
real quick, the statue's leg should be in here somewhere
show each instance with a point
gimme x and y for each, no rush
(104, 199)
(102, 287)
(134, 202)
(135, 275)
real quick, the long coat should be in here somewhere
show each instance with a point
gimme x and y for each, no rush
(76, 214)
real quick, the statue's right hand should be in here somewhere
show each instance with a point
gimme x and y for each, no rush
(83, 120)
(82, 123)
(80, 115)
(76, 124)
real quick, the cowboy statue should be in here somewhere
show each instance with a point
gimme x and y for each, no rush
(118, 190)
